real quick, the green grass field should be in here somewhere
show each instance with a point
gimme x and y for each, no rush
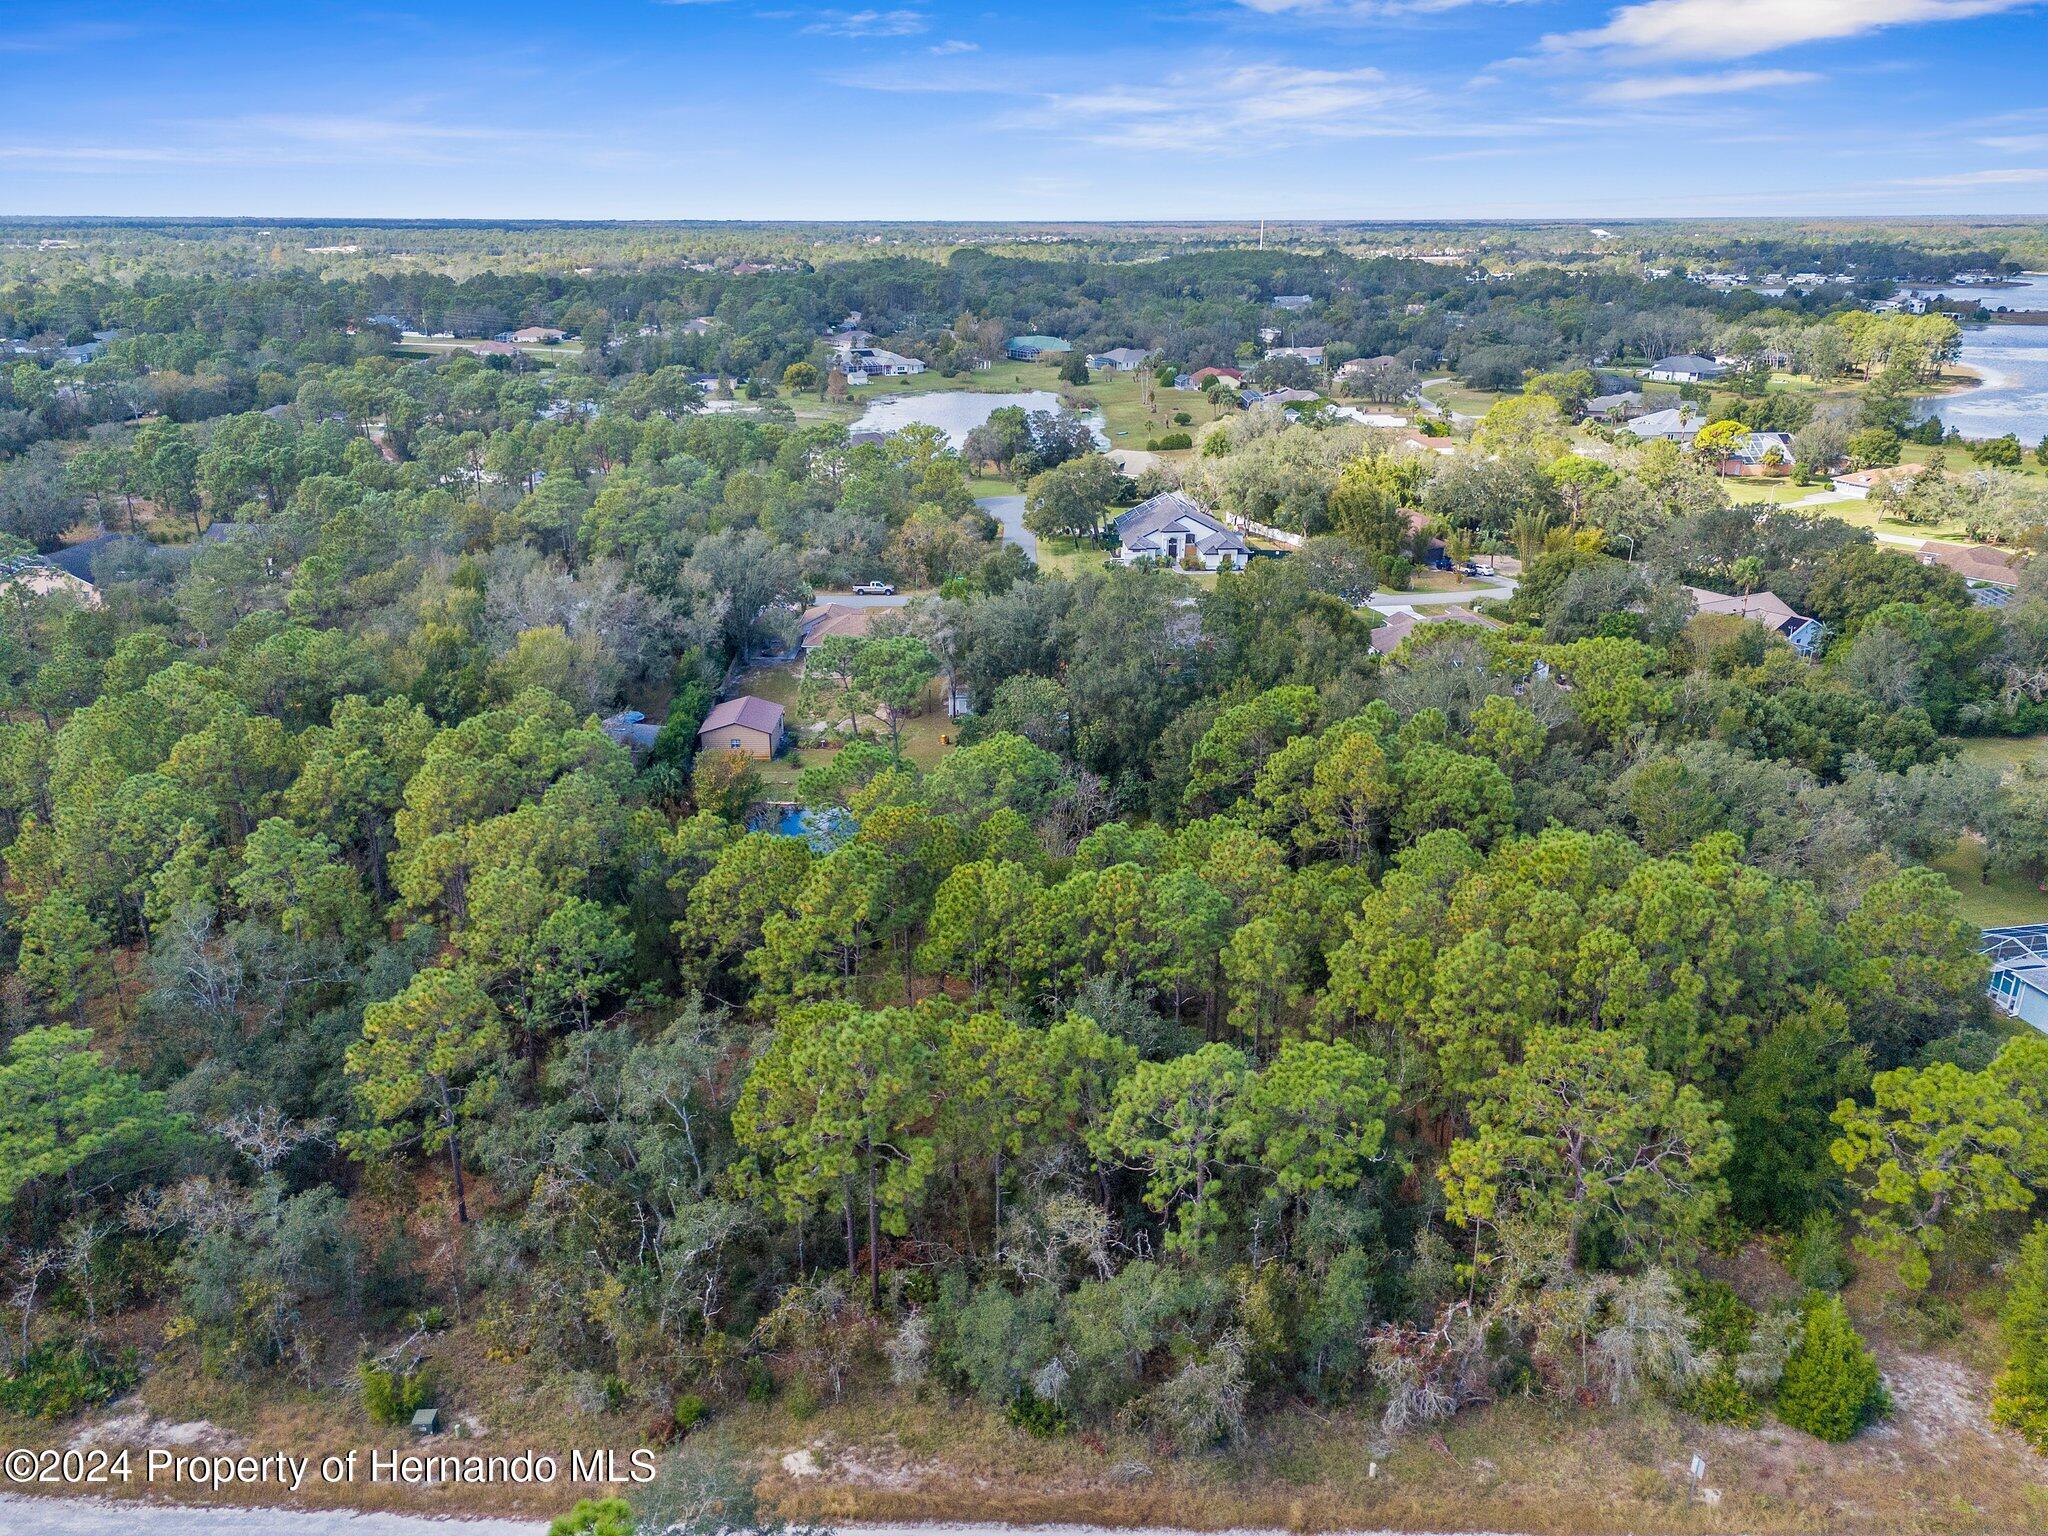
(1959, 459)
(2004, 898)
(1070, 557)
(1466, 402)
(1999, 901)
(926, 737)
(2005, 753)
(1745, 493)
(1863, 515)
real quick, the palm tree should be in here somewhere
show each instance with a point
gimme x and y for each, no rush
(1531, 532)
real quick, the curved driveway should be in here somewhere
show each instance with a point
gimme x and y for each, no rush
(1009, 511)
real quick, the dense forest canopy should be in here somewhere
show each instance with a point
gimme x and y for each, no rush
(1232, 1016)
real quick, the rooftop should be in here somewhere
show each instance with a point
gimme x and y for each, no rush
(746, 711)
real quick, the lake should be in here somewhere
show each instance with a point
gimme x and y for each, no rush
(959, 412)
(2012, 360)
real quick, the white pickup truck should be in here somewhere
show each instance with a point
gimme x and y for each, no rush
(874, 589)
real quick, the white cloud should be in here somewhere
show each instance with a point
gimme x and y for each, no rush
(2010, 176)
(1252, 104)
(1738, 29)
(955, 45)
(868, 24)
(111, 157)
(314, 139)
(1641, 88)
(1264, 101)
(345, 130)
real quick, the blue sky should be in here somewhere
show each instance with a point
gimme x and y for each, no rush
(1007, 110)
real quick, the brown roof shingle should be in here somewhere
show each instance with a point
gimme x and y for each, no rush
(747, 711)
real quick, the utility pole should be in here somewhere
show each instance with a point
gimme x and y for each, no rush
(1262, 234)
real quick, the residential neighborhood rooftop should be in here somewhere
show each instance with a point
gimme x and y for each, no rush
(755, 714)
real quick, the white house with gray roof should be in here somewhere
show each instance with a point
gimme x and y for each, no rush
(1686, 368)
(1681, 424)
(1168, 525)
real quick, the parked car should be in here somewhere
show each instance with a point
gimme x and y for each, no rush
(875, 589)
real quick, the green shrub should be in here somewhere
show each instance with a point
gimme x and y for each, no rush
(1831, 1387)
(1817, 1257)
(760, 1383)
(1923, 1318)
(800, 1398)
(690, 1411)
(1037, 1416)
(2019, 1398)
(392, 1396)
(616, 1392)
(1170, 440)
(55, 1380)
(1722, 1321)
(596, 1517)
(1721, 1399)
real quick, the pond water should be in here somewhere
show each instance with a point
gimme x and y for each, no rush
(2012, 360)
(959, 412)
(824, 829)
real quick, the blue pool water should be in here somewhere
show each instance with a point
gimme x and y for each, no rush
(823, 830)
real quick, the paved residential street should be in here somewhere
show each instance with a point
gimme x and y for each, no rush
(861, 600)
(1500, 587)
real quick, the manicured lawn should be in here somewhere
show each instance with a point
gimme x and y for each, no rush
(1864, 514)
(1467, 402)
(1439, 581)
(924, 736)
(2002, 901)
(1958, 458)
(2005, 753)
(1070, 557)
(1753, 492)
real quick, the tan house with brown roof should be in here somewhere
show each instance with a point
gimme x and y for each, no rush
(745, 724)
(1991, 573)
(1765, 608)
(1399, 625)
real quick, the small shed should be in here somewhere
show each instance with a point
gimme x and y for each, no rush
(745, 724)
(427, 1421)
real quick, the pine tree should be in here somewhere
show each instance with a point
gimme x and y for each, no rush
(2019, 1398)
(1832, 1386)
